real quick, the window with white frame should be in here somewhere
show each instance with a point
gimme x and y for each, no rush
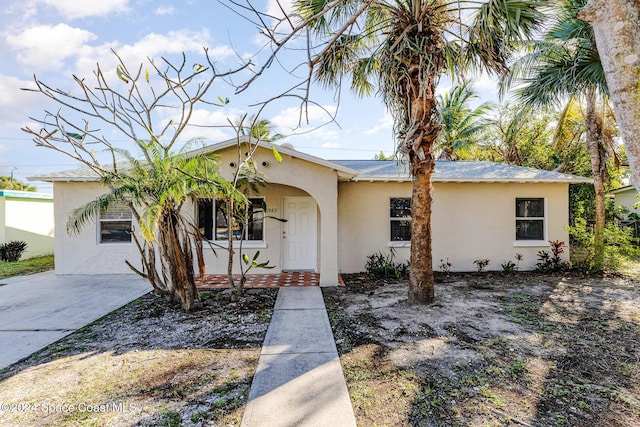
(213, 220)
(115, 224)
(530, 219)
(400, 219)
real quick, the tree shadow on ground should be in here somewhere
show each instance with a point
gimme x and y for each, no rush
(568, 354)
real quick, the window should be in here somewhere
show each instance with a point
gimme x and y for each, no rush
(115, 224)
(530, 219)
(400, 219)
(212, 220)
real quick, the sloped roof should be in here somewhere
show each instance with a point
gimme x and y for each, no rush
(375, 170)
(86, 174)
(458, 171)
(624, 189)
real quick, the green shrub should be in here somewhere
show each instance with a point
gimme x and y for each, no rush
(509, 267)
(550, 262)
(619, 246)
(12, 251)
(380, 265)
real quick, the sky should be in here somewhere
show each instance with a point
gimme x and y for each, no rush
(58, 39)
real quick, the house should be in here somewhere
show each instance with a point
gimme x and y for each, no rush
(339, 212)
(27, 216)
(627, 197)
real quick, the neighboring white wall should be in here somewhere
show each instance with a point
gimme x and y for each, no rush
(628, 198)
(81, 253)
(470, 221)
(28, 219)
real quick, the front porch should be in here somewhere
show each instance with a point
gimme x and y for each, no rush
(284, 279)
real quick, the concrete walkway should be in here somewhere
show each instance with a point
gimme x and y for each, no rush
(38, 310)
(299, 380)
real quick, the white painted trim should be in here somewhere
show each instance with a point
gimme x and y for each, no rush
(530, 244)
(545, 224)
(400, 244)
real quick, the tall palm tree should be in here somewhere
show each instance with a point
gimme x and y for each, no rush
(564, 67)
(401, 48)
(461, 124)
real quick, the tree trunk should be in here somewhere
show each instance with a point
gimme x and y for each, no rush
(597, 153)
(419, 144)
(617, 34)
(421, 280)
(236, 288)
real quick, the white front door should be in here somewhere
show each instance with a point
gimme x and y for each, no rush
(299, 235)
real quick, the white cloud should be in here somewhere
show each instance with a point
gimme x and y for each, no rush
(276, 7)
(150, 46)
(45, 47)
(14, 102)
(212, 126)
(292, 118)
(72, 9)
(384, 123)
(165, 10)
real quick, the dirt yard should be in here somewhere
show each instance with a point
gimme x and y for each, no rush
(522, 350)
(146, 365)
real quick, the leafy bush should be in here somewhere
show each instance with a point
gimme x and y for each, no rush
(481, 264)
(509, 267)
(380, 265)
(549, 262)
(619, 246)
(445, 266)
(12, 251)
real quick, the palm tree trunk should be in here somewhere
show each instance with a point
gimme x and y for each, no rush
(421, 280)
(426, 128)
(597, 154)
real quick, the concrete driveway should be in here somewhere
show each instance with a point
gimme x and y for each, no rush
(38, 310)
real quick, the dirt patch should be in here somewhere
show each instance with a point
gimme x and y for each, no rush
(525, 349)
(146, 364)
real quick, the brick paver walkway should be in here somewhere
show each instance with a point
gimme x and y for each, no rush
(290, 278)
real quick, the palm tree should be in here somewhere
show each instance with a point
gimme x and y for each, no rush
(155, 191)
(461, 124)
(401, 48)
(564, 67)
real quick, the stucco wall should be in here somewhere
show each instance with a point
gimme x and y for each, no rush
(271, 249)
(293, 177)
(81, 253)
(470, 221)
(627, 199)
(29, 220)
(297, 177)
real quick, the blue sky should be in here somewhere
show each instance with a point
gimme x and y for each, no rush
(56, 39)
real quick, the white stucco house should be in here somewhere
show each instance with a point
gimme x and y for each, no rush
(339, 212)
(27, 216)
(627, 197)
